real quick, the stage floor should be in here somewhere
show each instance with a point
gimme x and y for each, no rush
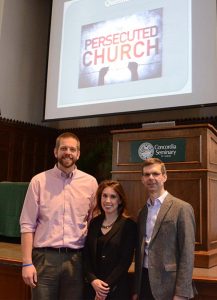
(12, 253)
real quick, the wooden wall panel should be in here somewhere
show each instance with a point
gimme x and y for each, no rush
(134, 190)
(206, 290)
(4, 153)
(25, 150)
(212, 211)
(212, 154)
(12, 286)
(188, 187)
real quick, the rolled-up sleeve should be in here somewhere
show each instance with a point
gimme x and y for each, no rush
(29, 214)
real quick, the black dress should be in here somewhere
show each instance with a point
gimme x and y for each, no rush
(108, 256)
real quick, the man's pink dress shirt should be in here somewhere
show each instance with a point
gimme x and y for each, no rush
(57, 208)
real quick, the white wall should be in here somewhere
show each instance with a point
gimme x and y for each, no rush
(1, 13)
(23, 57)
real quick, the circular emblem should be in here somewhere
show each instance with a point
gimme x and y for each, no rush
(146, 150)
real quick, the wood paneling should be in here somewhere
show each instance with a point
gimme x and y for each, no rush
(206, 290)
(12, 286)
(25, 150)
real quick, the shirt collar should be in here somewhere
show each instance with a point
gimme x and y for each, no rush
(60, 173)
(159, 199)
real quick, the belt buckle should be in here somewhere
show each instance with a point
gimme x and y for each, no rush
(63, 250)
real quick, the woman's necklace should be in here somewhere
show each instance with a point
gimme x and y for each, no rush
(107, 226)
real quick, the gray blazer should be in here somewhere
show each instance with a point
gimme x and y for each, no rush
(171, 250)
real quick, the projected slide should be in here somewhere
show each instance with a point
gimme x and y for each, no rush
(121, 50)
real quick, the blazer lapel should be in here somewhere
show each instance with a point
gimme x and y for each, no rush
(163, 211)
(144, 216)
(142, 231)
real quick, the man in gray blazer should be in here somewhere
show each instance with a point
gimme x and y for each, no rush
(166, 236)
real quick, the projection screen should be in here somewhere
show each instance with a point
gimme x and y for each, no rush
(120, 56)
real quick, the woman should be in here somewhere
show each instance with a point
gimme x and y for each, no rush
(109, 245)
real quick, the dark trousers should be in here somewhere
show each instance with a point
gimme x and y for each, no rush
(59, 275)
(145, 293)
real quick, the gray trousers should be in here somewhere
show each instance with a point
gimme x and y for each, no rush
(59, 274)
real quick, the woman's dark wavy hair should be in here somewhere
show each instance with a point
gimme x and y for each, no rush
(117, 187)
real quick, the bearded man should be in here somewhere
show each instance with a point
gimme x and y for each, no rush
(56, 211)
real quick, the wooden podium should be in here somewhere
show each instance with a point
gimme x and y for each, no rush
(190, 155)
